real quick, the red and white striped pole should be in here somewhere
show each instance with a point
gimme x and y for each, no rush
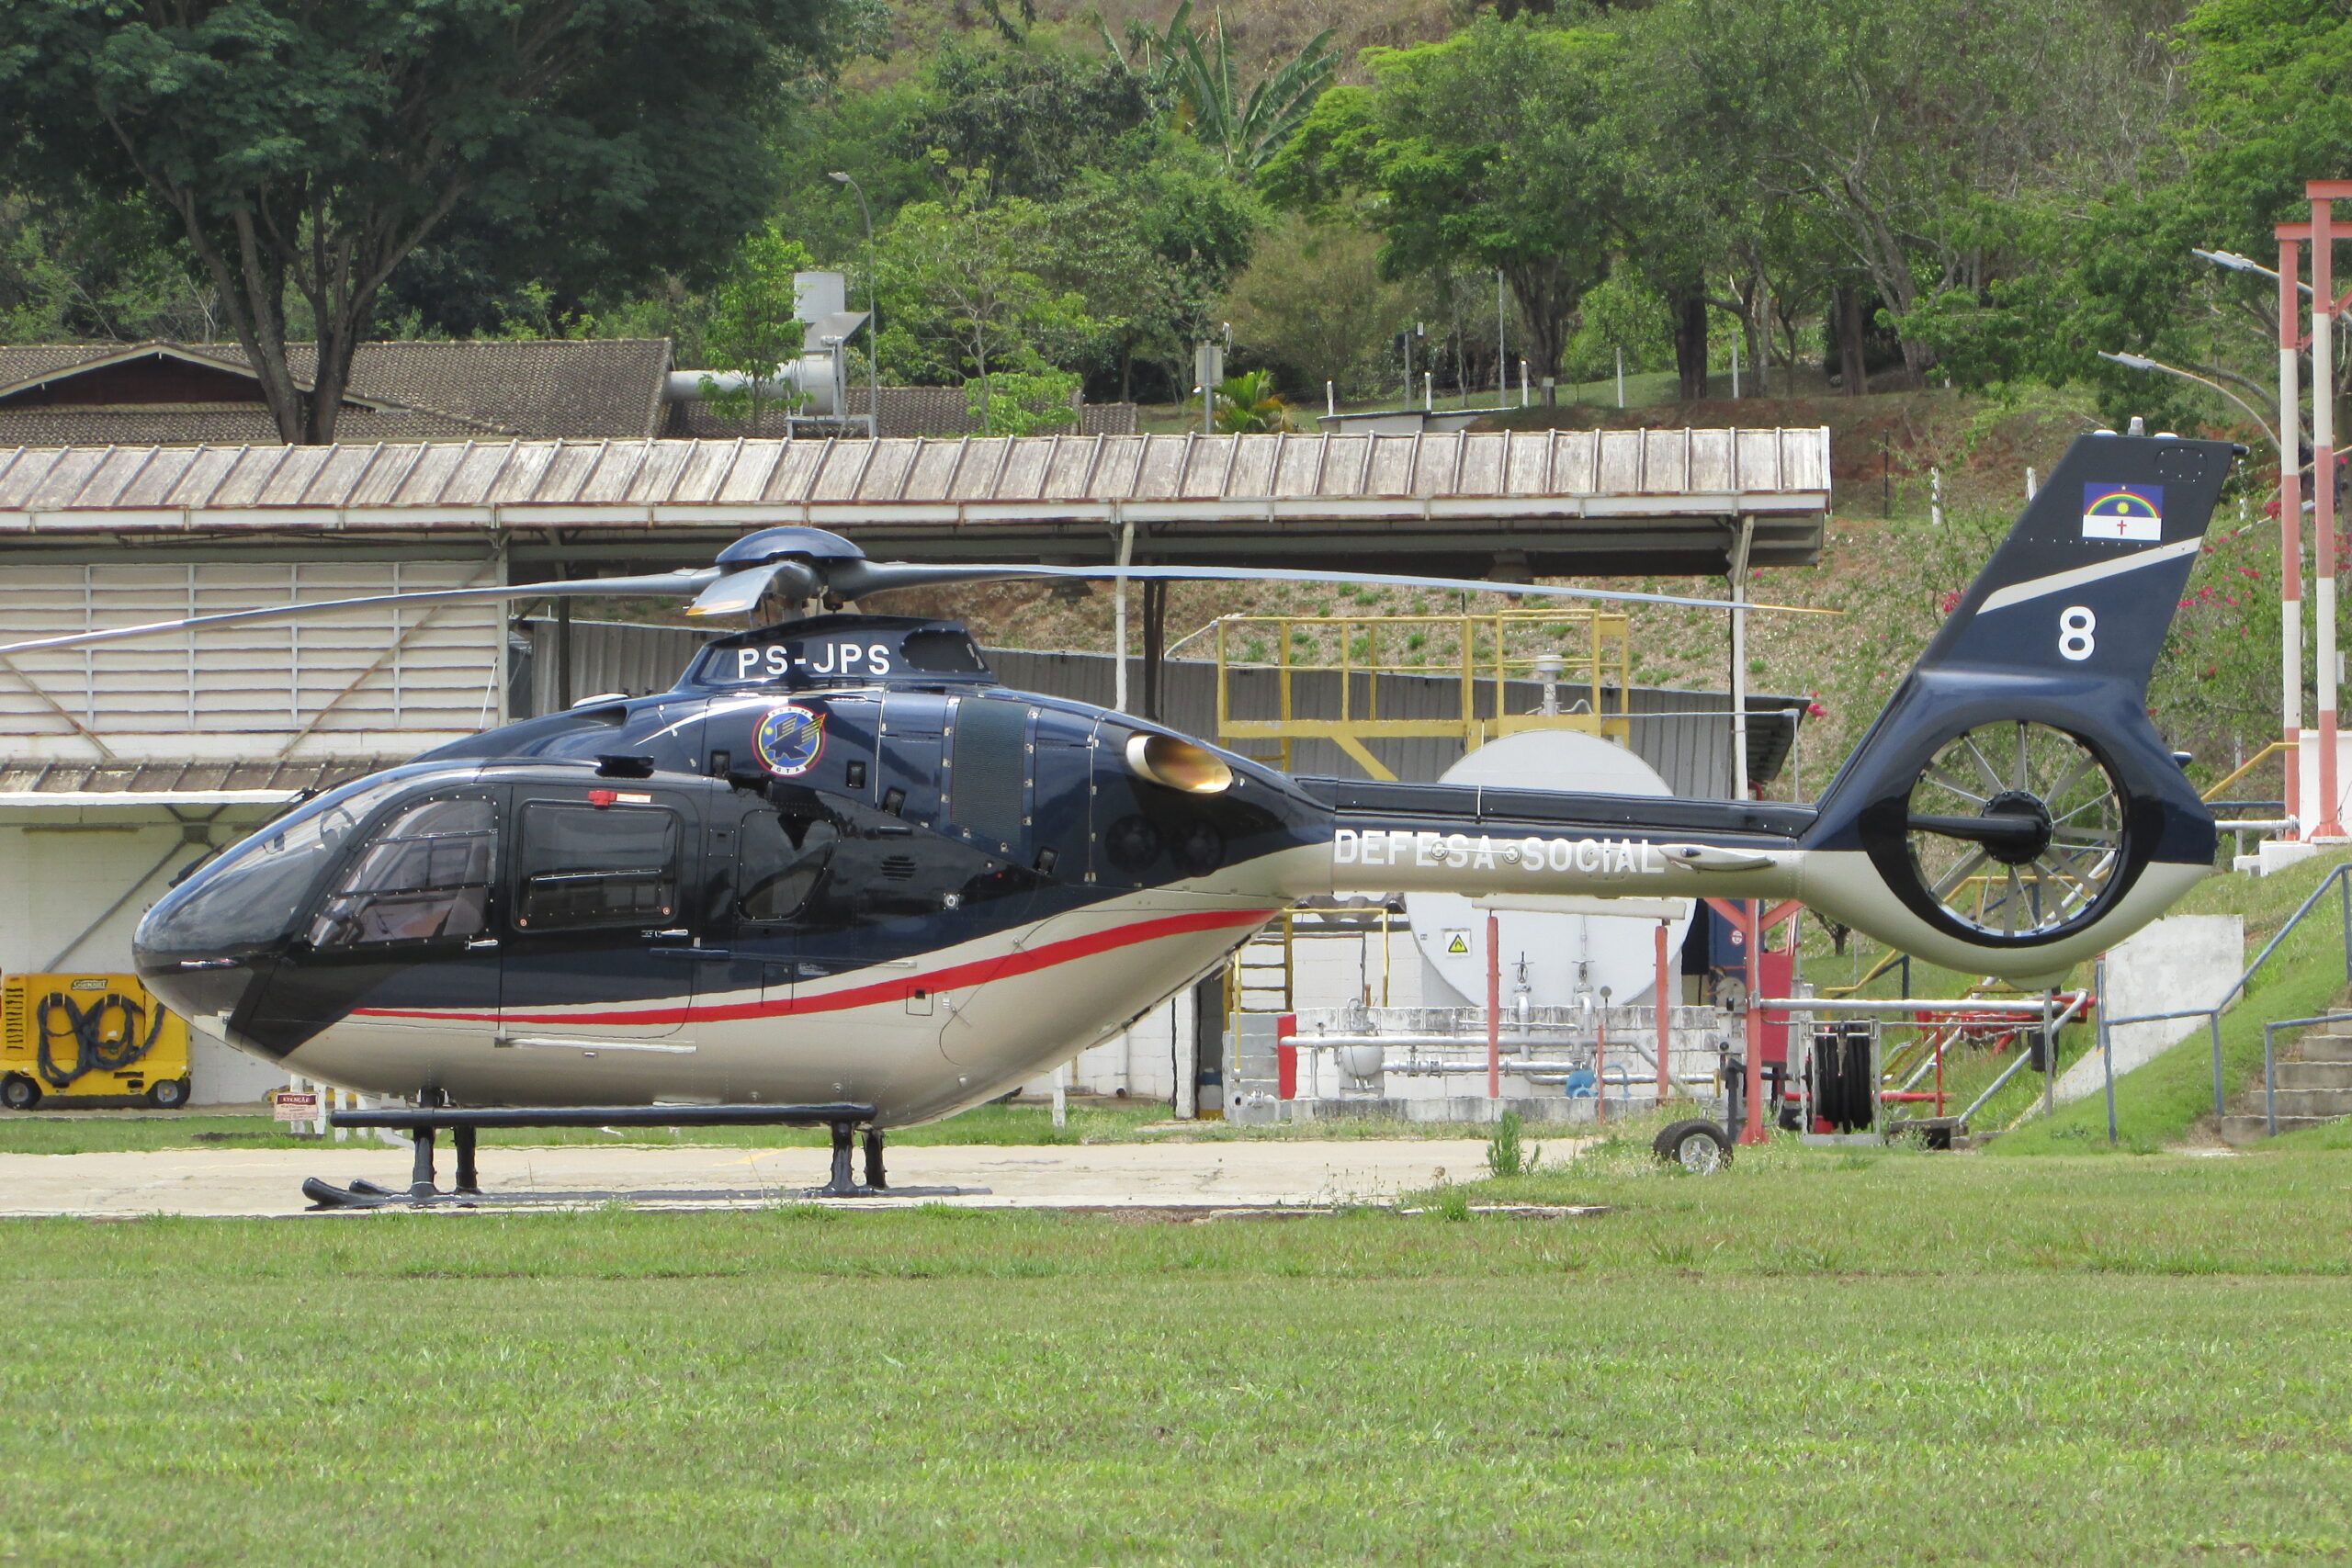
(2291, 521)
(2323, 485)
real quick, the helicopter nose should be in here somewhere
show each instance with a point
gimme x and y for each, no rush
(207, 991)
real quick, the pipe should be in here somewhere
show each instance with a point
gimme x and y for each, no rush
(1494, 1006)
(1858, 1005)
(812, 378)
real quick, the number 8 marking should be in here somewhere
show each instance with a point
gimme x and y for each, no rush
(2075, 625)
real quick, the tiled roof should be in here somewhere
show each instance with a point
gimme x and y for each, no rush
(593, 389)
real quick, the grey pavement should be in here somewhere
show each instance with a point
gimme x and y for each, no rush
(1218, 1175)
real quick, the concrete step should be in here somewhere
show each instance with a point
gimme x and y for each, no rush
(2325, 1103)
(2240, 1131)
(2324, 1047)
(2315, 1075)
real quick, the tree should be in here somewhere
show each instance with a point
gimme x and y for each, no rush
(1909, 131)
(1313, 301)
(1026, 120)
(751, 330)
(1152, 248)
(2112, 269)
(1492, 149)
(964, 298)
(303, 151)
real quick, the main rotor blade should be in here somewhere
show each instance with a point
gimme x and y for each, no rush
(739, 592)
(675, 584)
(855, 580)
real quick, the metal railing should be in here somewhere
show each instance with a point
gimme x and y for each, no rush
(1582, 655)
(2339, 878)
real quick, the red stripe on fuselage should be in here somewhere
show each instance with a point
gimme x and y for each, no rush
(955, 978)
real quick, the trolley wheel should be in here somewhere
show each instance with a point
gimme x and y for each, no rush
(18, 1092)
(168, 1095)
(1700, 1147)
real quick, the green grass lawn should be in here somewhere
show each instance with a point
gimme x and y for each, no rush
(1814, 1357)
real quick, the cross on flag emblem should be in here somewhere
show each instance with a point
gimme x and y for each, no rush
(2123, 511)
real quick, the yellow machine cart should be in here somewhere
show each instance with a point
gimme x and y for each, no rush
(88, 1040)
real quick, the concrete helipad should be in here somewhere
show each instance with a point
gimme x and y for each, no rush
(1220, 1175)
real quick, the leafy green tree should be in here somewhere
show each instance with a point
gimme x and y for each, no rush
(1493, 149)
(1026, 119)
(95, 269)
(1153, 249)
(1024, 402)
(1907, 130)
(304, 152)
(751, 330)
(1313, 301)
(963, 296)
(2112, 270)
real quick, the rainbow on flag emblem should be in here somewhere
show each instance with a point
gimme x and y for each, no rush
(2123, 511)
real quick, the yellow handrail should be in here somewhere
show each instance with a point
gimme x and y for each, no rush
(2251, 763)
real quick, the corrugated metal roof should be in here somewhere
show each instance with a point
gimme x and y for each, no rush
(177, 779)
(1489, 474)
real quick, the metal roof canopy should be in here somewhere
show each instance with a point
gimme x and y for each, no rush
(1550, 504)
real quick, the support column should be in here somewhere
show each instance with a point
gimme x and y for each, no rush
(1155, 644)
(2324, 501)
(1665, 1020)
(1119, 619)
(1739, 658)
(2290, 527)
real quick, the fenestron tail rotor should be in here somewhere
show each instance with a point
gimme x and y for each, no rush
(2016, 829)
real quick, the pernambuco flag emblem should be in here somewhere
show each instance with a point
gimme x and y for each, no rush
(2123, 511)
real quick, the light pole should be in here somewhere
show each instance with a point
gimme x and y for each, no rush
(873, 314)
(2141, 362)
(2291, 528)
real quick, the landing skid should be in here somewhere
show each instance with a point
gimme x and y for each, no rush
(424, 1123)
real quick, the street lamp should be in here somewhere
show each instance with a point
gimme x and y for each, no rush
(2231, 262)
(2290, 596)
(2141, 362)
(873, 314)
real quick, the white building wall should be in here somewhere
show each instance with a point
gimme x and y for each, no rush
(60, 870)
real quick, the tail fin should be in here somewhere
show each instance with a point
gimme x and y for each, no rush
(2013, 793)
(2086, 581)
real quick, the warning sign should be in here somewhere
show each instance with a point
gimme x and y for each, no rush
(1457, 941)
(287, 1106)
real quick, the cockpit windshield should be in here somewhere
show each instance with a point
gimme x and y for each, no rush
(254, 891)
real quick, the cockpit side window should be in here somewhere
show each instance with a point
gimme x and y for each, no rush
(595, 865)
(426, 874)
(256, 892)
(780, 860)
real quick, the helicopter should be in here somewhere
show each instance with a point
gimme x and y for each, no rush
(840, 875)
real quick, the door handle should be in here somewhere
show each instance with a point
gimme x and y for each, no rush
(479, 942)
(695, 954)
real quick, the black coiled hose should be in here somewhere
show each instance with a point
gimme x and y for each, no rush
(85, 1028)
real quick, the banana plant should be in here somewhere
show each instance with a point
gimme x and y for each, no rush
(1247, 132)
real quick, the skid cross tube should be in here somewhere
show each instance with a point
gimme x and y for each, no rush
(422, 1124)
